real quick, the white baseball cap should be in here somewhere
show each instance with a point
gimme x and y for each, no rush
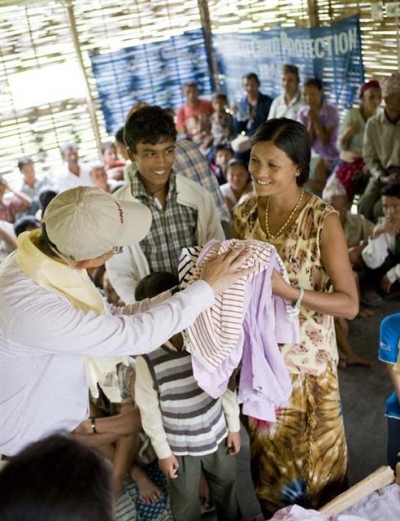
(86, 222)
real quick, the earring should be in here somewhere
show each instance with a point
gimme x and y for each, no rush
(298, 173)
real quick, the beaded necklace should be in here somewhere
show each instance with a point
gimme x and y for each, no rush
(285, 224)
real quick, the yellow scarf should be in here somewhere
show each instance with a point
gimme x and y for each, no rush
(77, 286)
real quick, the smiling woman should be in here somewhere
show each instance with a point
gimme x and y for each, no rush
(293, 461)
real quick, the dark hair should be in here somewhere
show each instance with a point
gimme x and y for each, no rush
(291, 137)
(222, 146)
(149, 125)
(119, 135)
(56, 479)
(24, 222)
(45, 245)
(313, 82)
(251, 76)
(238, 162)
(219, 95)
(292, 69)
(190, 84)
(105, 146)
(23, 161)
(391, 189)
(46, 195)
(154, 284)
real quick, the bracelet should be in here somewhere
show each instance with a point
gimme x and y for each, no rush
(93, 424)
(297, 304)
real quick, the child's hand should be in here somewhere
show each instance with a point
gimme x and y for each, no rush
(169, 466)
(233, 443)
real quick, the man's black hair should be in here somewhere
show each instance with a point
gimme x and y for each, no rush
(391, 189)
(151, 125)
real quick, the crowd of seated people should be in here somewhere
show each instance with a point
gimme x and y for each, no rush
(22, 208)
(192, 179)
(354, 158)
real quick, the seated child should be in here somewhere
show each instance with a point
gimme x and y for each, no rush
(382, 255)
(190, 431)
(219, 162)
(113, 166)
(221, 120)
(239, 186)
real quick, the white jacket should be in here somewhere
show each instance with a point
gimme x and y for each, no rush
(377, 250)
(129, 267)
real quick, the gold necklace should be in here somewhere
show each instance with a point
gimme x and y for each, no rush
(275, 235)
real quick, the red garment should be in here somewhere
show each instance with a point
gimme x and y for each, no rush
(346, 172)
(185, 112)
(10, 208)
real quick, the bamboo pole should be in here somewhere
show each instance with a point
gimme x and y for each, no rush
(69, 4)
(206, 26)
(313, 13)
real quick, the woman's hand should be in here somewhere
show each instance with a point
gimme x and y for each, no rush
(225, 269)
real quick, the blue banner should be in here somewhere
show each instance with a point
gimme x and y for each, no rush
(152, 72)
(331, 54)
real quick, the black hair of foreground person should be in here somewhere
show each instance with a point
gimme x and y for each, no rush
(56, 479)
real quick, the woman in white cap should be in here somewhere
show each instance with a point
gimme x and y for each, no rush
(52, 317)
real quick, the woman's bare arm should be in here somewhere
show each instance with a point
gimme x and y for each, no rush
(343, 301)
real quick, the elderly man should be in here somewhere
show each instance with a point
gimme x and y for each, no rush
(73, 172)
(381, 150)
(52, 316)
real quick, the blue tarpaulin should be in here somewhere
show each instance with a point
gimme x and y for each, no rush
(331, 54)
(154, 72)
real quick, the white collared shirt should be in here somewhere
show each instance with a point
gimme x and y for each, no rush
(66, 179)
(44, 340)
(280, 109)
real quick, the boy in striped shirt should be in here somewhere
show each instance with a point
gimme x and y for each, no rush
(190, 431)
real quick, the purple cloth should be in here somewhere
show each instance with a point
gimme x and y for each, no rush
(264, 380)
(329, 117)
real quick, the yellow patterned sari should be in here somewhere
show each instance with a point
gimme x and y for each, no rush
(302, 458)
